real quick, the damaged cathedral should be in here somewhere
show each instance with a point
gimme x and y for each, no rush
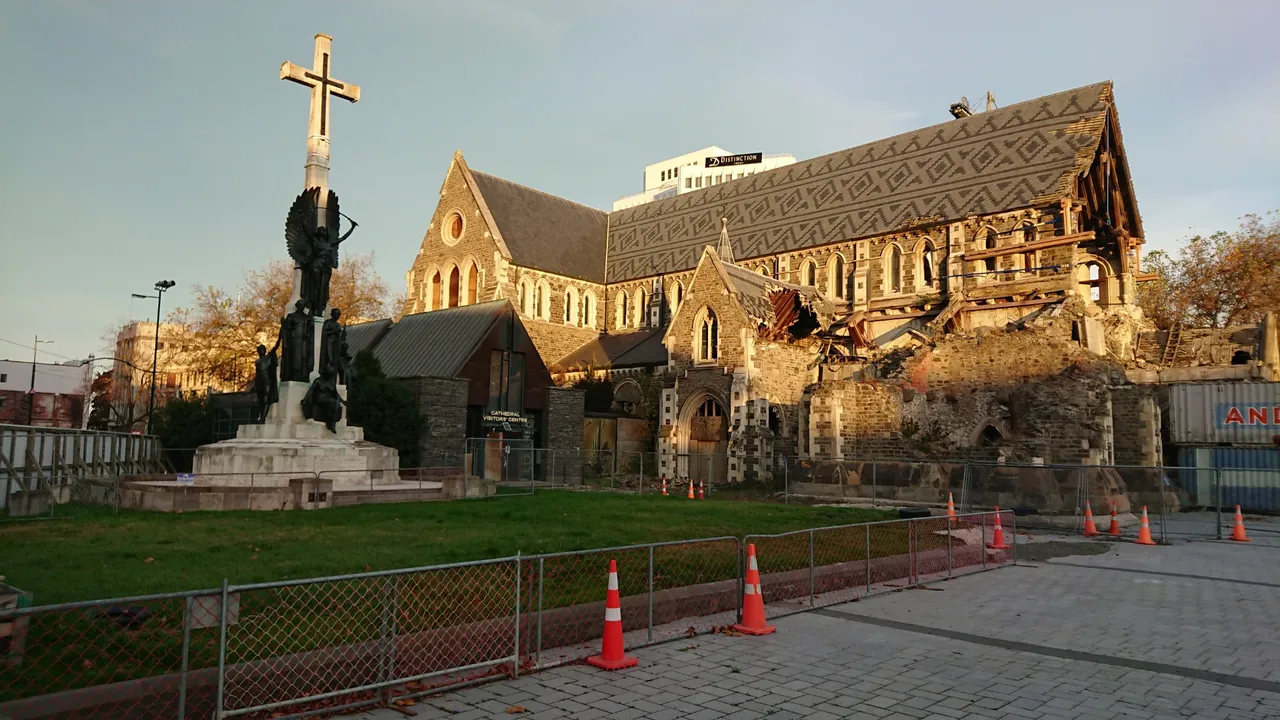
(965, 291)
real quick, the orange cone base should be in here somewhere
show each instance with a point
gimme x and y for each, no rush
(1093, 533)
(993, 546)
(1239, 539)
(1140, 541)
(767, 629)
(619, 664)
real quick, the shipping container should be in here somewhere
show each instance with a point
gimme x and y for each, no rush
(1250, 476)
(1224, 413)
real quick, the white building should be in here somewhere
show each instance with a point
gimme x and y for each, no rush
(70, 378)
(697, 170)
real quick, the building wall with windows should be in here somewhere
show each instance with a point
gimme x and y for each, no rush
(689, 173)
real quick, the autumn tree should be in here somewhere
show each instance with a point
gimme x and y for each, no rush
(223, 328)
(1228, 278)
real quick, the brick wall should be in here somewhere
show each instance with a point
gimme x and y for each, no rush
(564, 422)
(1136, 417)
(444, 403)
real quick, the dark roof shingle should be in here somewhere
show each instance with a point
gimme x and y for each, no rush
(436, 343)
(630, 349)
(993, 161)
(546, 232)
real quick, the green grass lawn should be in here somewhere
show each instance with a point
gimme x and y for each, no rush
(88, 553)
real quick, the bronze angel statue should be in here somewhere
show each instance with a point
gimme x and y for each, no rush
(314, 246)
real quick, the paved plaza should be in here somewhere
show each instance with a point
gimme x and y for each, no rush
(1190, 630)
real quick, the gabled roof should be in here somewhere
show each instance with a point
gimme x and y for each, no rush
(542, 231)
(436, 343)
(1012, 157)
(639, 348)
(363, 336)
(753, 290)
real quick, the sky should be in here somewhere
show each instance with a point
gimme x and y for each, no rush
(145, 141)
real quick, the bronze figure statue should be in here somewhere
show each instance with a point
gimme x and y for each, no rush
(265, 386)
(314, 246)
(297, 336)
(323, 403)
(331, 336)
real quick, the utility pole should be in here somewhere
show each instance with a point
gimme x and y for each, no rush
(155, 350)
(31, 399)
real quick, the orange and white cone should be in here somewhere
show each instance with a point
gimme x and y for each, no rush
(951, 506)
(1237, 534)
(997, 535)
(752, 601)
(1144, 533)
(1090, 530)
(611, 655)
(702, 490)
(664, 486)
(691, 488)
(1114, 530)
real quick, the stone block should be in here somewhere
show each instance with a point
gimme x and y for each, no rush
(30, 503)
(310, 493)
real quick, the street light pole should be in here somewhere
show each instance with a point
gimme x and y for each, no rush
(31, 400)
(155, 350)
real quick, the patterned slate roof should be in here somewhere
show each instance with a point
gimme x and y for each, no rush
(546, 232)
(994, 161)
(753, 290)
(436, 343)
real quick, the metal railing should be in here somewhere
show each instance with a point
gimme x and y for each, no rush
(340, 643)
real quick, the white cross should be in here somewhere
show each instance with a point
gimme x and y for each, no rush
(321, 84)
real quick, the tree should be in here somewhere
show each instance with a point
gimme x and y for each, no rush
(1228, 278)
(387, 409)
(100, 415)
(223, 329)
(183, 424)
(597, 391)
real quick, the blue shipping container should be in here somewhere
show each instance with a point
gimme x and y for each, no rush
(1250, 476)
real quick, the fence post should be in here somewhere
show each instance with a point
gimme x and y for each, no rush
(186, 656)
(515, 664)
(537, 658)
(1082, 487)
(873, 485)
(786, 482)
(811, 587)
(384, 669)
(1013, 531)
(1164, 521)
(950, 527)
(1217, 481)
(650, 593)
(222, 652)
(983, 545)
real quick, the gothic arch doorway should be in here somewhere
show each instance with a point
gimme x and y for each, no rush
(704, 439)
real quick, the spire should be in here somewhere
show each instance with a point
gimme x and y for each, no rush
(724, 248)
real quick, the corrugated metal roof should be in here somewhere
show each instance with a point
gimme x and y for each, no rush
(629, 349)
(437, 343)
(363, 335)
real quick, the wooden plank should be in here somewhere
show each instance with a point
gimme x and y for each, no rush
(1049, 242)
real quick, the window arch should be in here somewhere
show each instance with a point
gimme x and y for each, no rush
(543, 304)
(676, 296)
(809, 273)
(473, 279)
(835, 276)
(990, 241)
(455, 286)
(525, 297)
(589, 309)
(620, 305)
(1093, 278)
(706, 340)
(926, 264)
(1028, 260)
(436, 290)
(892, 268)
(641, 304)
(571, 305)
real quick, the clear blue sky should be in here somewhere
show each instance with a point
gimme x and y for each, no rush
(154, 140)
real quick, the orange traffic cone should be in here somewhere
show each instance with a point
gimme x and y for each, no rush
(611, 655)
(752, 601)
(1114, 530)
(997, 535)
(1238, 533)
(1144, 533)
(1090, 530)
(664, 486)
(951, 506)
(690, 488)
(702, 490)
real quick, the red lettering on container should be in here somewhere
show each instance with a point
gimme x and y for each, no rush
(1234, 417)
(1258, 415)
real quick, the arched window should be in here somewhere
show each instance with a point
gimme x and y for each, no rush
(455, 282)
(526, 297)
(544, 300)
(620, 304)
(473, 279)
(435, 290)
(640, 306)
(809, 274)
(1095, 282)
(589, 309)
(990, 241)
(708, 338)
(1092, 277)
(1028, 259)
(835, 279)
(676, 296)
(893, 269)
(928, 275)
(571, 305)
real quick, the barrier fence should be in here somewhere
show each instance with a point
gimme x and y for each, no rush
(286, 649)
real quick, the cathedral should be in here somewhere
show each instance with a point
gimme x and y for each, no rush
(967, 289)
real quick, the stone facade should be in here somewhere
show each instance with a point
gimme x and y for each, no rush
(443, 402)
(564, 420)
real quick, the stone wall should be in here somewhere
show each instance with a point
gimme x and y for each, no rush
(564, 421)
(435, 255)
(1136, 416)
(707, 290)
(779, 374)
(1199, 346)
(444, 403)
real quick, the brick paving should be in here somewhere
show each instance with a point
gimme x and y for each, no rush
(1184, 631)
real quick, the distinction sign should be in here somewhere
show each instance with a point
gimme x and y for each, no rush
(727, 160)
